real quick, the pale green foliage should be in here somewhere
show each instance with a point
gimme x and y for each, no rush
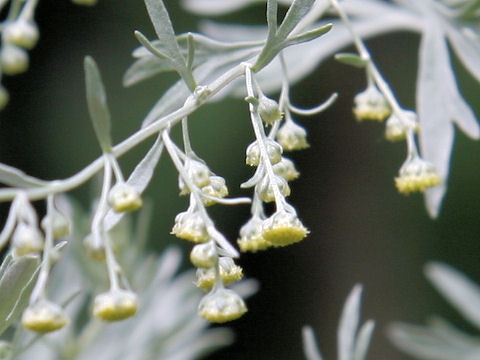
(439, 108)
(352, 342)
(226, 60)
(440, 340)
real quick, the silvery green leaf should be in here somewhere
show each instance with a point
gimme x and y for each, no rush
(295, 13)
(347, 328)
(215, 7)
(14, 177)
(438, 107)
(276, 39)
(97, 104)
(272, 20)
(139, 179)
(466, 47)
(164, 30)
(423, 343)
(304, 58)
(16, 284)
(149, 65)
(450, 334)
(351, 59)
(363, 340)
(145, 68)
(460, 291)
(310, 348)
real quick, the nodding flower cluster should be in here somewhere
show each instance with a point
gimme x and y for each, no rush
(19, 33)
(416, 174)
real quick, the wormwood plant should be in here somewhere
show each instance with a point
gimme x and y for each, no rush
(249, 62)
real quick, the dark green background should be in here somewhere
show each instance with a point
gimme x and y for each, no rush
(362, 230)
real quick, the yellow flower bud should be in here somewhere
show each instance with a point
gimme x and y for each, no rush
(61, 226)
(44, 317)
(292, 136)
(416, 175)
(26, 239)
(251, 236)
(115, 305)
(286, 169)
(229, 272)
(221, 305)
(371, 104)
(13, 60)
(189, 225)
(123, 197)
(283, 228)
(21, 33)
(253, 154)
(216, 188)
(268, 110)
(204, 255)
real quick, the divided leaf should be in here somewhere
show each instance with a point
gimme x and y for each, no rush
(97, 104)
(164, 30)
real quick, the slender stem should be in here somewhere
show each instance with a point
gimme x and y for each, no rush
(371, 67)
(40, 287)
(60, 186)
(117, 171)
(194, 190)
(187, 146)
(260, 135)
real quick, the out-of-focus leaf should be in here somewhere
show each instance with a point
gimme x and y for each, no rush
(467, 48)
(313, 53)
(97, 104)
(310, 348)
(460, 291)
(175, 97)
(363, 340)
(438, 107)
(14, 177)
(144, 68)
(351, 59)
(206, 49)
(423, 343)
(15, 287)
(215, 7)
(347, 328)
(139, 179)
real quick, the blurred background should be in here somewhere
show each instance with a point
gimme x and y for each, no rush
(362, 230)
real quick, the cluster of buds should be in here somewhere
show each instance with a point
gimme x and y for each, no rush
(18, 35)
(270, 182)
(212, 254)
(416, 174)
(27, 239)
(213, 271)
